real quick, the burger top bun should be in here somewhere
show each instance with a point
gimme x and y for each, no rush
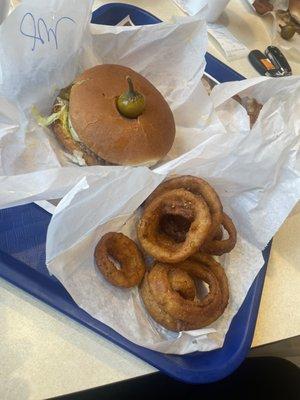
(94, 116)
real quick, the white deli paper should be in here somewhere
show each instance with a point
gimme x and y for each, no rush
(36, 59)
(256, 173)
(213, 10)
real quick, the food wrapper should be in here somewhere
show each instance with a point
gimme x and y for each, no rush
(37, 59)
(255, 171)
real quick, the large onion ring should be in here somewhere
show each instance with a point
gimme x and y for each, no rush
(161, 246)
(176, 222)
(173, 308)
(118, 247)
(182, 283)
(219, 247)
(198, 187)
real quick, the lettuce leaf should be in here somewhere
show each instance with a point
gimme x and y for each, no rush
(62, 115)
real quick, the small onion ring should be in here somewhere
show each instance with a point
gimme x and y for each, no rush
(198, 187)
(177, 312)
(219, 247)
(122, 249)
(161, 246)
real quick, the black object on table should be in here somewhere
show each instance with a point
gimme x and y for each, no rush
(273, 63)
(263, 65)
(278, 59)
(257, 378)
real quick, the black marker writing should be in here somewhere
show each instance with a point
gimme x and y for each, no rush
(40, 32)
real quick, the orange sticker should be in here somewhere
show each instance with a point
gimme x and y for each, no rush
(267, 63)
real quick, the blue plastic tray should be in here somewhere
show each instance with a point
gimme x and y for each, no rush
(22, 262)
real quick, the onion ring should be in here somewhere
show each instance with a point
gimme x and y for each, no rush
(218, 234)
(219, 247)
(198, 187)
(171, 308)
(176, 222)
(177, 226)
(182, 283)
(161, 246)
(116, 246)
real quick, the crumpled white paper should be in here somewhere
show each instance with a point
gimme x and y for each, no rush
(212, 12)
(256, 173)
(36, 59)
(268, 155)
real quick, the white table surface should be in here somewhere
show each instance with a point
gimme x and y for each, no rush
(45, 354)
